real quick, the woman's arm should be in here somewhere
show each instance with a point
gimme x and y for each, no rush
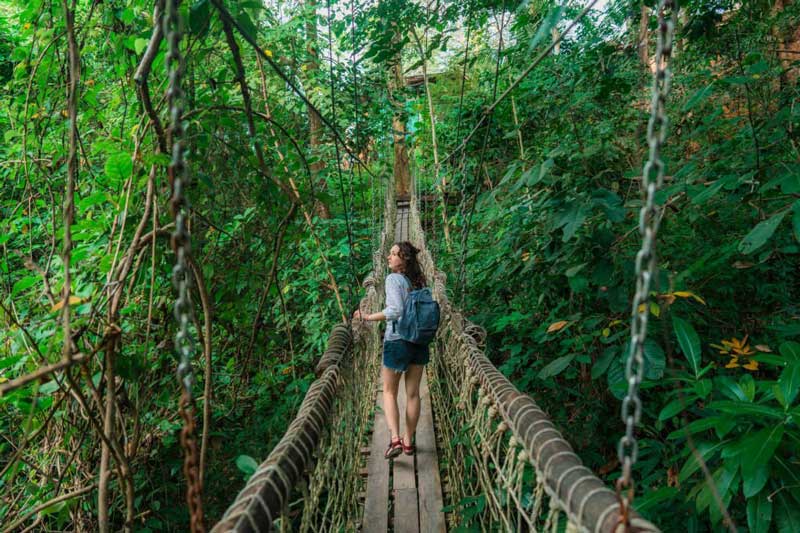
(376, 317)
(394, 302)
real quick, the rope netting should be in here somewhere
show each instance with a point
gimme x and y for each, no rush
(506, 465)
(311, 480)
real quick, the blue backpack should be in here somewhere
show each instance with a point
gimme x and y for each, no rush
(420, 318)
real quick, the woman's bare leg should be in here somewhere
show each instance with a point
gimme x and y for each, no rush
(391, 379)
(413, 377)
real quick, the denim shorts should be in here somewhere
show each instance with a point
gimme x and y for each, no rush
(397, 355)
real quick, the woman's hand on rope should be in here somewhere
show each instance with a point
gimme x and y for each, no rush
(358, 316)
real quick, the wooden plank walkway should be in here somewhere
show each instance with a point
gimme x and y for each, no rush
(404, 495)
(401, 222)
(413, 482)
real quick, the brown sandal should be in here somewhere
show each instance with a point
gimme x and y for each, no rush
(394, 449)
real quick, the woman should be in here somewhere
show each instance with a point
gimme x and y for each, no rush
(400, 356)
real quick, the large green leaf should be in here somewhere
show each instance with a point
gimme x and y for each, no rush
(796, 220)
(118, 167)
(555, 367)
(759, 513)
(759, 235)
(787, 515)
(654, 360)
(786, 472)
(572, 217)
(652, 498)
(790, 351)
(601, 365)
(748, 386)
(724, 480)
(746, 408)
(199, 16)
(790, 382)
(729, 388)
(753, 484)
(758, 448)
(675, 406)
(701, 424)
(709, 192)
(550, 21)
(689, 342)
(698, 97)
(23, 284)
(139, 45)
(536, 174)
(705, 450)
(246, 464)
(615, 377)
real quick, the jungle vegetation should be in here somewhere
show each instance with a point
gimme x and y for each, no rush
(535, 221)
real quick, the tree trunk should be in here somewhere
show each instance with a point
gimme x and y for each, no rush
(402, 175)
(642, 49)
(109, 420)
(788, 45)
(314, 120)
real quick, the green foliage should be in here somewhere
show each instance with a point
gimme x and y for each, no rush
(549, 260)
(549, 253)
(266, 332)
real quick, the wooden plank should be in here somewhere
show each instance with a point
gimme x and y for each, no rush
(404, 501)
(376, 506)
(403, 473)
(401, 224)
(398, 232)
(431, 517)
(406, 511)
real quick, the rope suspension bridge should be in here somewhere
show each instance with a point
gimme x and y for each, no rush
(480, 428)
(478, 434)
(480, 440)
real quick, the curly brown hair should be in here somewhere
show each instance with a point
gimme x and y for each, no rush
(411, 267)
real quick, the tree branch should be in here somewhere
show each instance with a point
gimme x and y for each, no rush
(64, 497)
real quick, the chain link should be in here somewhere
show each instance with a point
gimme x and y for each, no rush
(181, 244)
(646, 268)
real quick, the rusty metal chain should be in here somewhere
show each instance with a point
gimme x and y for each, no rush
(181, 244)
(646, 268)
(191, 464)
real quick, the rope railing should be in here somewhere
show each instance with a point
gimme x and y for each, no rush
(506, 465)
(311, 479)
